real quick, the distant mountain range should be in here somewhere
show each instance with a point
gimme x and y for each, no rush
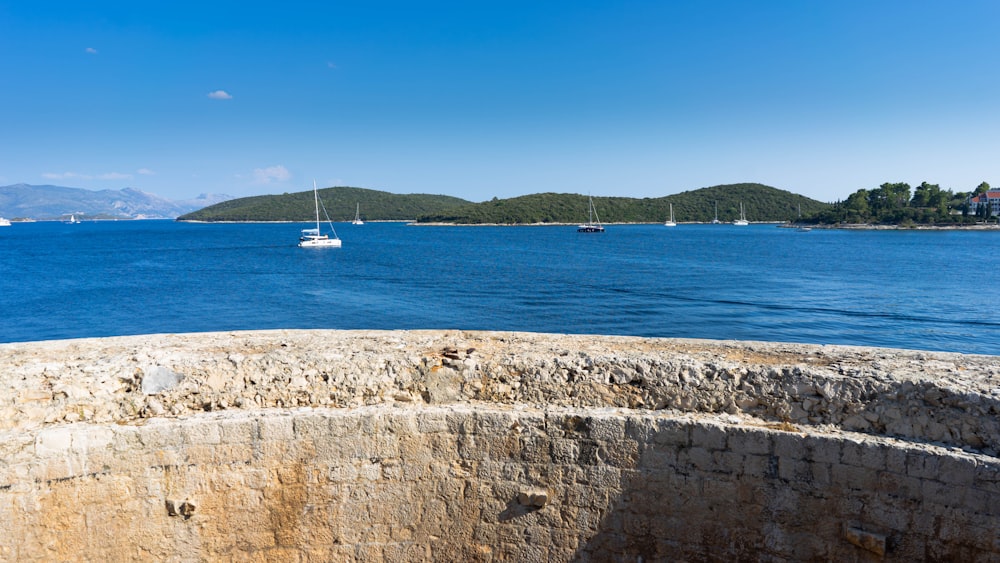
(24, 201)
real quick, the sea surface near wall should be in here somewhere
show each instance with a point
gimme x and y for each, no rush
(902, 289)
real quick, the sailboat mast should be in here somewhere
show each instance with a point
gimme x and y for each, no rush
(316, 197)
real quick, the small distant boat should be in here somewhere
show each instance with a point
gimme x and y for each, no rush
(357, 216)
(4, 222)
(315, 238)
(716, 220)
(590, 226)
(802, 228)
(670, 222)
(73, 220)
(742, 221)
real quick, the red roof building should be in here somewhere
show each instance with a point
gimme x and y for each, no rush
(991, 198)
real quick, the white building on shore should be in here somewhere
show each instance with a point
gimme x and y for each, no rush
(991, 198)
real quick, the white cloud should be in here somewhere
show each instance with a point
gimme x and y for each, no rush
(114, 176)
(145, 172)
(91, 51)
(78, 176)
(271, 173)
(220, 95)
(64, 176)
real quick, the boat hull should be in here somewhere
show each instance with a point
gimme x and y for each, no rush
(320, 243)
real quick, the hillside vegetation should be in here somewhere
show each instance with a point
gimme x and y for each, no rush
(894, 203)
(340, 204)
(760, 203)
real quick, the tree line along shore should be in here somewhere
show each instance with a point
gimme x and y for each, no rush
(895, 204)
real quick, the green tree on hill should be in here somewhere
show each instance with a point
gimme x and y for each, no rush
(892, 203)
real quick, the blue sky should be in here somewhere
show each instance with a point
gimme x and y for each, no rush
(499, 99)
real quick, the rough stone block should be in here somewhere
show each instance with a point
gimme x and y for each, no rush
(749, 441)
(607, 429)
(958, 471)
(672, 433)
(823, 449)
(237, 431)
(604, 477)
(711, 437)
(533, 498)
(564, 451)
(276, 428)
(873, 456)
(820, 473)
(492, 424)
(895, 460)
(201, 432)
(340, 425)
(728, 462)
(759, 466)
(622, 453)
(698, 458)
(432, 422)
(311, 427)
(941, 493)
(640, 429)
(794, 470)
(55, 441)
(923, 464)
(851, 452)
(93, 438)
(854, 477)
(788, 445)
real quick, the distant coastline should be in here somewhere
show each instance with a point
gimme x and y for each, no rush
(915, 227)
(778, 224)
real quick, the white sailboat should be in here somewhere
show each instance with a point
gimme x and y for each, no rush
(716, 220)
(802, 228)
(742, 221)
(590, 226)
(670, 222)
(315, 238)
(357, 216)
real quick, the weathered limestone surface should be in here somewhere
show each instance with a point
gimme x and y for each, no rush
(445, 445)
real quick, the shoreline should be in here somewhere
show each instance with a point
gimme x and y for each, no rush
(778, 224)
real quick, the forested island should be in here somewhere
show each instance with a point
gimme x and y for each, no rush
(340, 203)
(889, 204)
(760, 203)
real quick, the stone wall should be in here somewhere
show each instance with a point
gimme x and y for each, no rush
(413, 446)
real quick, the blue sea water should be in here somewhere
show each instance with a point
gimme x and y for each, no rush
(930, 290)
